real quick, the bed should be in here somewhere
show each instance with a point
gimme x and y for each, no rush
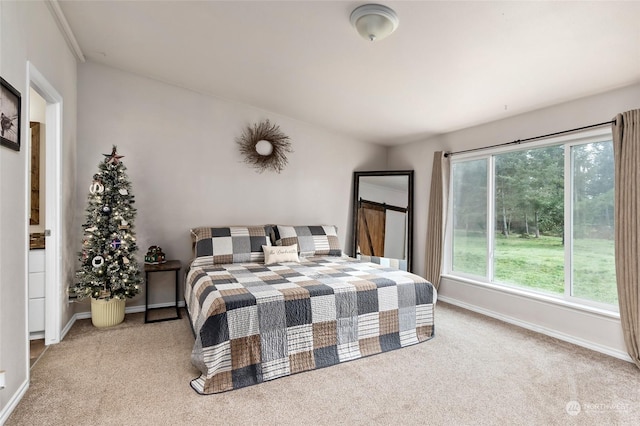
(270, 301)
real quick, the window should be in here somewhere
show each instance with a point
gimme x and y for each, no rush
(538, 218)
(470, 220)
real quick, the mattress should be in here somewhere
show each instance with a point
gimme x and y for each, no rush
(254, 322)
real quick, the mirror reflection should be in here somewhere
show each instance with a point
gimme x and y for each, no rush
(382, 217)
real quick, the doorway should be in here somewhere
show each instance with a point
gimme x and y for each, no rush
(37, 224)
(50, 185)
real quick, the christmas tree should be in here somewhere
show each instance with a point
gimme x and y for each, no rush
(108, 265)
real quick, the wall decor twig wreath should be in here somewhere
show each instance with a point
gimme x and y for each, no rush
(264, 146)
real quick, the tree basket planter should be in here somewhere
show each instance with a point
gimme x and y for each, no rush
(107, 313)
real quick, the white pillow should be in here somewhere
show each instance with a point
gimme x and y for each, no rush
(279, 254)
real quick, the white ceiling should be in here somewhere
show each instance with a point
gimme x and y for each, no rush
(450, 65)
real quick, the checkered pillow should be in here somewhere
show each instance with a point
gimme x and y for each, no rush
(311, 240)
(233, 244)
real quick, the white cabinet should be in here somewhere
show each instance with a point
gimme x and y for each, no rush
(36, 292)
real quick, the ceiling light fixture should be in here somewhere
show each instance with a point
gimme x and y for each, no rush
(374, 21)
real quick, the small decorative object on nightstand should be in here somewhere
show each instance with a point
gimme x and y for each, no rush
(154, 256)
(167, 266)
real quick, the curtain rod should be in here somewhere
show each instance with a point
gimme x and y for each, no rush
(519, 141)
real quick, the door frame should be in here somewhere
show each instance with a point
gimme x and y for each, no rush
(53, 195)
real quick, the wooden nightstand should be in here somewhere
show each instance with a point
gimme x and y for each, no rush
(168, 266)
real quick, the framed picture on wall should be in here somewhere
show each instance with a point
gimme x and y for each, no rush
(9, 116)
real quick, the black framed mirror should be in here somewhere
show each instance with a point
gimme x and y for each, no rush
(383, 217)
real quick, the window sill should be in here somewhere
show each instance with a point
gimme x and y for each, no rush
(536, 296)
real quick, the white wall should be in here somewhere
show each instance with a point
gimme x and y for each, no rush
(598, 331)
(186, 170)
(28, 32)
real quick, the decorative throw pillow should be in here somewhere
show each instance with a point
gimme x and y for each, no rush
(233, 244)
(311, 240)
(280, 254)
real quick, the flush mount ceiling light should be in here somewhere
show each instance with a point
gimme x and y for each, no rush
(374, 21)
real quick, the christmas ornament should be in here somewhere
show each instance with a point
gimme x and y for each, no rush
(125, 260)
(92, 229)
(96, 188)
(116, 243)
(154, 255)
(123, 225)
(97, 261)
(106, 210)
(123, 191)
(112, 158)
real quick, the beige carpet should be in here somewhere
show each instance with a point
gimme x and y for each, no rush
(36, 349)
(475, 371)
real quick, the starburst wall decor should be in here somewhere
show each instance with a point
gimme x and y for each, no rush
(265, 147)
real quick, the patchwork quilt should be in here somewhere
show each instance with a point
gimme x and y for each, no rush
(254, 323)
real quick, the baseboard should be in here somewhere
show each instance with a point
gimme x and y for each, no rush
(131, 309)
(538, 329)
(67, 327)
(36, 335)
(13, 402)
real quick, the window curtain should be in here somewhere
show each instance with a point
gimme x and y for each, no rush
(626, 152)
(436, 222)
